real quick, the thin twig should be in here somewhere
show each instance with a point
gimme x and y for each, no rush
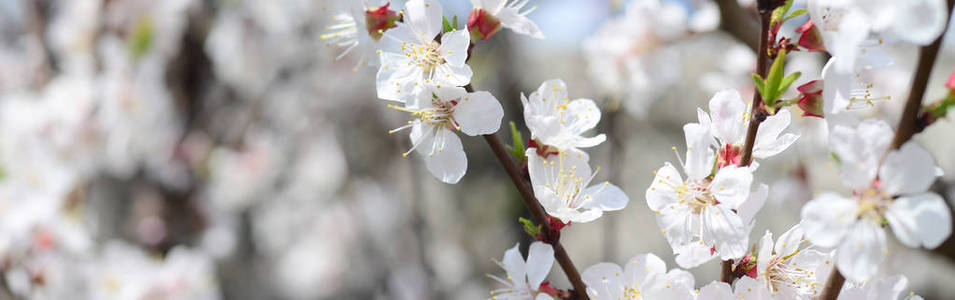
(756, 112)
(906, 129)
(537, 211)
(738, 22)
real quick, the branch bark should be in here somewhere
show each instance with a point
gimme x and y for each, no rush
(756, 112)
(536, 210)
(738, 22)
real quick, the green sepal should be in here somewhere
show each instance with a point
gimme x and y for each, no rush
(836, 157)
(530, 228)
(448, 26)
(517, 148)
(143, 34)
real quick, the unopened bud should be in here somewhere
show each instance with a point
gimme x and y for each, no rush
(482, 24)
(811, 99)
(380, 19)
(810, 37)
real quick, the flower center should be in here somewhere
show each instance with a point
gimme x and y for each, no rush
(873, 203)
(568, 183)
(439, 116)
(783, 272)
(697, 195)
(426, 57)
(861, 96)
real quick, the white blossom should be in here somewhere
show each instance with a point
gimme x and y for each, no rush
(562, 184)
(411, 58)
(557, 121)
(524, 278)
(643, 276)
(437, 112)
(888, 189)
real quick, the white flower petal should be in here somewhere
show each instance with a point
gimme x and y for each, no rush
(394, 80)
(731, 185)
(583, 115)
(478, 113)
(716, 291)
(789, 241)
(520, 24)
(727, 109)
(768, 141)
(748, 209)
(540, 258)
(727, 231)
(908, 170)
(454, 47)
(765, 253)
(919, 21)
(692, 255)
(543, 296)
(641, 267)
(603, 281)
(827, 218)
(699, 156)
(748, 288)
(661, 193)
(514, 266)
(862, 251)
(449, 74)
(424, 16)
(921, 219)
(442, 152)
(606, 197)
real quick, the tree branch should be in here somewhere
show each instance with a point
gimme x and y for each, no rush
(537, 212)
(739, 23)
(756, 113)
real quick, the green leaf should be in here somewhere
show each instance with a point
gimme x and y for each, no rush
(530, 228)
(760, 84)
(836, 157)
(795, 14)
(779, 12)
(518, 141)
(784, 85)
(455, 22)
(774, 79)
(445, 25)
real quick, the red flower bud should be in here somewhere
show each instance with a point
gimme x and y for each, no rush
(811, 37)
(950, 84)
(380, 19)
(482, 24)
(811, 101)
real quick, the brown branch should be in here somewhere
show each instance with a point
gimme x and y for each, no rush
(908, 123)
(756, 113)
(906, 129)
(833, 285)
(739, 23)
(537, 212)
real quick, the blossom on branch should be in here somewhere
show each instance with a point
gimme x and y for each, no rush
(437, 112)
(888, 189)
(556, 121)
(525, 279)
(562, 185)
(643, 276)
(411, 57)
(489, 16)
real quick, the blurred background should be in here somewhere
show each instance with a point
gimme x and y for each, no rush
(207, 149)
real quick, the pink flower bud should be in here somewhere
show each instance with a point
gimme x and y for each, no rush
(811, 37)
(811, 101)
(482, 24)
(380, 19)
(950, 83)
